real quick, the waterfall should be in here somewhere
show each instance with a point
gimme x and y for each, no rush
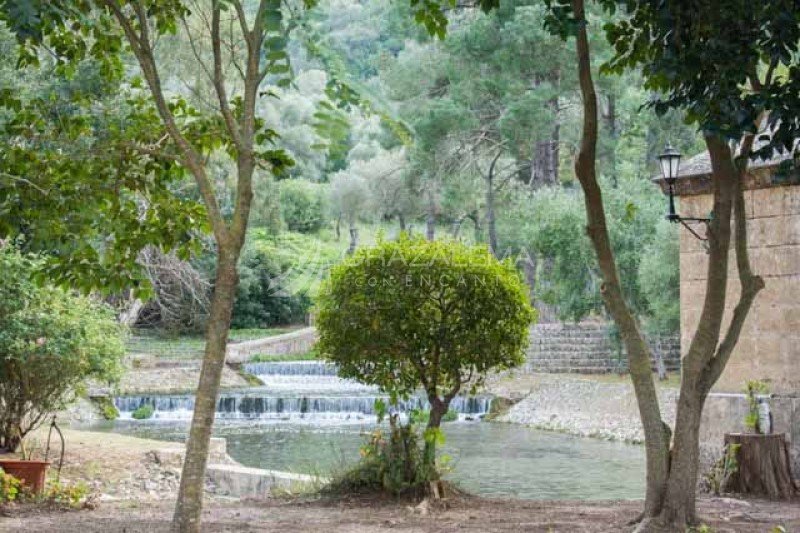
(293, 390)
(254, 405)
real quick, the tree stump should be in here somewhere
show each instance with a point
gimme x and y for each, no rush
(764, 468)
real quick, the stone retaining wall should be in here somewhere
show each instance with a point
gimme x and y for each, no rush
(586, 348)
(294, 343)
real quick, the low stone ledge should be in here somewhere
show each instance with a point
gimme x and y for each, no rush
(245, 482)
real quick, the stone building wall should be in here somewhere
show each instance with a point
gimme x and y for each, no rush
(586, 348)
(769, 346)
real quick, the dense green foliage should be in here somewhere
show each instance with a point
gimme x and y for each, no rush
(52, 342)
(261, 300)
(698, 57)
(413, 313)
(302, 205)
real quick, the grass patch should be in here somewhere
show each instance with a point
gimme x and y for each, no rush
(162, 344)
(311, 355)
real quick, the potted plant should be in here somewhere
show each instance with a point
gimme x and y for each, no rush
(31, 473)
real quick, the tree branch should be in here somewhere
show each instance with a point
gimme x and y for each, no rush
(219, 82)
(191, 158)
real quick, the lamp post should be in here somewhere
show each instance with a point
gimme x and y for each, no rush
(670, 161)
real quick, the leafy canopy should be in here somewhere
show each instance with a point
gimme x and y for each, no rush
(415, 313)
(724, 63)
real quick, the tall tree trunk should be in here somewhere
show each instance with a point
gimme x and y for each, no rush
(401, 219)
(190, 495)
(655, 430)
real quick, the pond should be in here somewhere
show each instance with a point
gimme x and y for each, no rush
(489, 459)
(306, 419)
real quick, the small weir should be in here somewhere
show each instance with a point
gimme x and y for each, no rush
(293, 390)
(251, 405)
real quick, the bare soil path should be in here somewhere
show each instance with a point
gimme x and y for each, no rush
(371, 515)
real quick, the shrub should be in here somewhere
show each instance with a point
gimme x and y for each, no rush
(261, 301)
(107, 408)
(9, 487)
(52, 342)
(416, 314)
(143, 412)
(69, 495)
(302, 205)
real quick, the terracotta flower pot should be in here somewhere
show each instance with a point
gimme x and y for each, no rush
(31, 473)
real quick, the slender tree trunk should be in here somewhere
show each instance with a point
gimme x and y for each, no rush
(491, 228)
(190, 495)
(353, 239)
(438, 410)
(430, 220)
(545, 156)
(655, 430)
(402, 221)
(529, 264)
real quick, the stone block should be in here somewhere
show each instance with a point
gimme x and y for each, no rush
(244, 482)
(791, 199)
(791, 225)
(768, 202)
(693, 265)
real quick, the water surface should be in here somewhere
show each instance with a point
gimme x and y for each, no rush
(487, 458)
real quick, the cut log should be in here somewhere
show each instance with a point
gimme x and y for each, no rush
(763, 466)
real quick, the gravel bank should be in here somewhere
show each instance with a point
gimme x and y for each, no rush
(584, 406)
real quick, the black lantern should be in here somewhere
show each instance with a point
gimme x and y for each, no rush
(670, 162)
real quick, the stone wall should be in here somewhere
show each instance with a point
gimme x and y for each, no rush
(587, 349)
(295, 343)
(769, 346)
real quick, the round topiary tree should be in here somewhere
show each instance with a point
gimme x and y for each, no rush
(51, 342)
(415, 314)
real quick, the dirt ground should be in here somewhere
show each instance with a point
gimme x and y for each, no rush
(359, 515)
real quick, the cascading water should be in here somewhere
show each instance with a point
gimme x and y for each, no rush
(294, 390)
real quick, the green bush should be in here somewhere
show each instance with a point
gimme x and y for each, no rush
(302, 205)
(9, 487)
(413, 314)
(52, 341)
(261, 301)
(143, 412)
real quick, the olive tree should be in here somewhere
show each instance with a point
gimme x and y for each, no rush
(51, 342)
(415, 314)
